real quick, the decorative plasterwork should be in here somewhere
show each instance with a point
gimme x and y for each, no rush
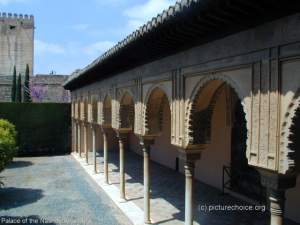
(277, 181)
(78, 109)
(285, 132)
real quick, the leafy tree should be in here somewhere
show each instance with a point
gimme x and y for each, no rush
(13, 86)
(18, 91)
(8, 148)
(36, 91)
(26, 85)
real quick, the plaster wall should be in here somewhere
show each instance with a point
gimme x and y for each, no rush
(99, 140)
(134, 144)
(112, 141)
(162, 151)
(292, 205)
(209, 168)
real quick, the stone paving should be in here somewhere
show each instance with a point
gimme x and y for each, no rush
(54, 190)
(167, 195)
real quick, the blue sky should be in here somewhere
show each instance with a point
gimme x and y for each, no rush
(70, 34)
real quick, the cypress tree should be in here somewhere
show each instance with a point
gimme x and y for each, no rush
(26, 85)
(18, 91)
(13, 86)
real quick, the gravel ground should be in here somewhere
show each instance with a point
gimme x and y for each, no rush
(54, 190)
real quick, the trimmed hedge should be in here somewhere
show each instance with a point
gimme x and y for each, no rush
(43, 128)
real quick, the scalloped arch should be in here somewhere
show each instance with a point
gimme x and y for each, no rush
(285, 126)
(123, 119)
(160, 109)
(154, 86)
(195, 95)
(106, 112)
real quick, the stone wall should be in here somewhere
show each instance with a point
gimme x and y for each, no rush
(54, 82)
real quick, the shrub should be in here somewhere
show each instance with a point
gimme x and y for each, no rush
(8, 143)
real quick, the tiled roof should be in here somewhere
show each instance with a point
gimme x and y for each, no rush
(161, 18)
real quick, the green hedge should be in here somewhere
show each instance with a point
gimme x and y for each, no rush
(43, 128)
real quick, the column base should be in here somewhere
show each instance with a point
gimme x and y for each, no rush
(148, 222)
(122, 200)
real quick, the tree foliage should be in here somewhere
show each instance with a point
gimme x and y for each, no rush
(8, 143)
(13, 86)
(26, 85)
(18, 91)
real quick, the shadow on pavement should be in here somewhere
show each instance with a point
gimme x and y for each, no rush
(11, 197)
(25, 220)
(19, 164)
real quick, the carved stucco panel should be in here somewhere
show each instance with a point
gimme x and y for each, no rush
(255, 114)
(138, 118)
(273, 127)
(264, 115)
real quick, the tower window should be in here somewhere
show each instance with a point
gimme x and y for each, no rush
(12, 27)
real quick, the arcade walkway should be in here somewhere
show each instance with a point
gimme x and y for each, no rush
(167, 194)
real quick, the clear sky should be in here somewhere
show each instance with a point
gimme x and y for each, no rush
(70, 34)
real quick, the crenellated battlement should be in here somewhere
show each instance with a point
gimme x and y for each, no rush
(16, 17)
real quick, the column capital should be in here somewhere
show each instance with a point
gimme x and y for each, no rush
(94, 125)
(147, 140)
(122, 133)
(277, 181)
(191, 153)
(105, 128)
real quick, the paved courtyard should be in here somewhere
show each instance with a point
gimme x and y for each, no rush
(54, 190)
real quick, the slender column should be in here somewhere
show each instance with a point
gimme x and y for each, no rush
(189, 191)
(94, 128)
(79, 139)
(277, 184)
(277, 200)
(122, 168)
(147, 184)
(86, 143)
(76, 137)
(73, 134)
(105, 156)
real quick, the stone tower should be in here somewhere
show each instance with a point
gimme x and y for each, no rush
(16, 43)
